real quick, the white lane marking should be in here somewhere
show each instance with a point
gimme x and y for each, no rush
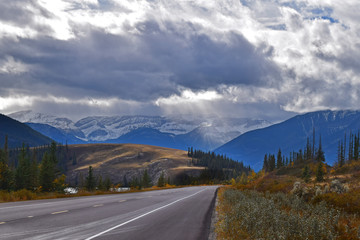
(65, 211)
(143, 215)
(98, 205)
(2, 223)
(55, 202)
(30, 216)
(122, 201)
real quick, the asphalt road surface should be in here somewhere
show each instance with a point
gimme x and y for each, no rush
(182, 213)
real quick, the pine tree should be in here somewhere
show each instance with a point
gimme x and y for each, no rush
(271, 163)
(107, 184)
(34, 171)
(100, 184)
(351, 147)
(135, 183)
(342, 155)
(161, 180)
(313, 148)
(308, 151)
(344, 149)
(125, 182)
(90, 180)
(146, 181)
(22, 174)
(320, 172)
(47, 173)
(320, 156)
(356, 147)
(53, 158)
(279, 159)
(265, 164)
(6, 175)
(306, 174)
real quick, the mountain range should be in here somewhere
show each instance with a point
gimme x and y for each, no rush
(178, 131)
(247, 140)
(291, 135)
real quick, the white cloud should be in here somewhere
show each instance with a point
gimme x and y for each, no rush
(11, 66)
(188, 96)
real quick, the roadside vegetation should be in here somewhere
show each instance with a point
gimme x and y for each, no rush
(299, 197)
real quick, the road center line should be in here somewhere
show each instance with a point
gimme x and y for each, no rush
(2, 223)
(98, 205)
(143, 215)
(65, 211)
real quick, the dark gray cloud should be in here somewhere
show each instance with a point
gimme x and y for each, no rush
(150, 66)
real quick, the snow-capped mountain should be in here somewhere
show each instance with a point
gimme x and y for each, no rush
(30, 116)
(206, 133)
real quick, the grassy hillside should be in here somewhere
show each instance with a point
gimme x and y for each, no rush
(118, 161)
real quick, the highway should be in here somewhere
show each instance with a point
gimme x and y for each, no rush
(182, 213)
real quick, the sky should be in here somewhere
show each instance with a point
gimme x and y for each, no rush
(267, 59)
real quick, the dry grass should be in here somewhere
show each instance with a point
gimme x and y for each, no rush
(248, 214)
(121, 156)
(24, 195)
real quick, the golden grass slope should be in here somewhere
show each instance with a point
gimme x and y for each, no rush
(118, 160)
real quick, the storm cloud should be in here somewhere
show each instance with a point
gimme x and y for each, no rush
(262, 58)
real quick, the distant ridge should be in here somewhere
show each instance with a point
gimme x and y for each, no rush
(206, 133)
(291, 135)
(19, 133)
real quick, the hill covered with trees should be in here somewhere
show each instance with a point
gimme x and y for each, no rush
(19, 133)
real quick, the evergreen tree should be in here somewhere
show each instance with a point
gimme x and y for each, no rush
(107, 184)
(271, 163)
(342, 155)
(279, 159)
(308, 150)
(100, 184)
(356, 147)
(351, 147)
(313, 142)
(265, 164)
(47, 173)
(320, 172)
(135, 183)
(320, 156)
(22, 174)
(125, 182)
(146, 181)
(34, 171)
(161, 180)
(306, 174)
(90, 180)
(6, 176)
(53, 158)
